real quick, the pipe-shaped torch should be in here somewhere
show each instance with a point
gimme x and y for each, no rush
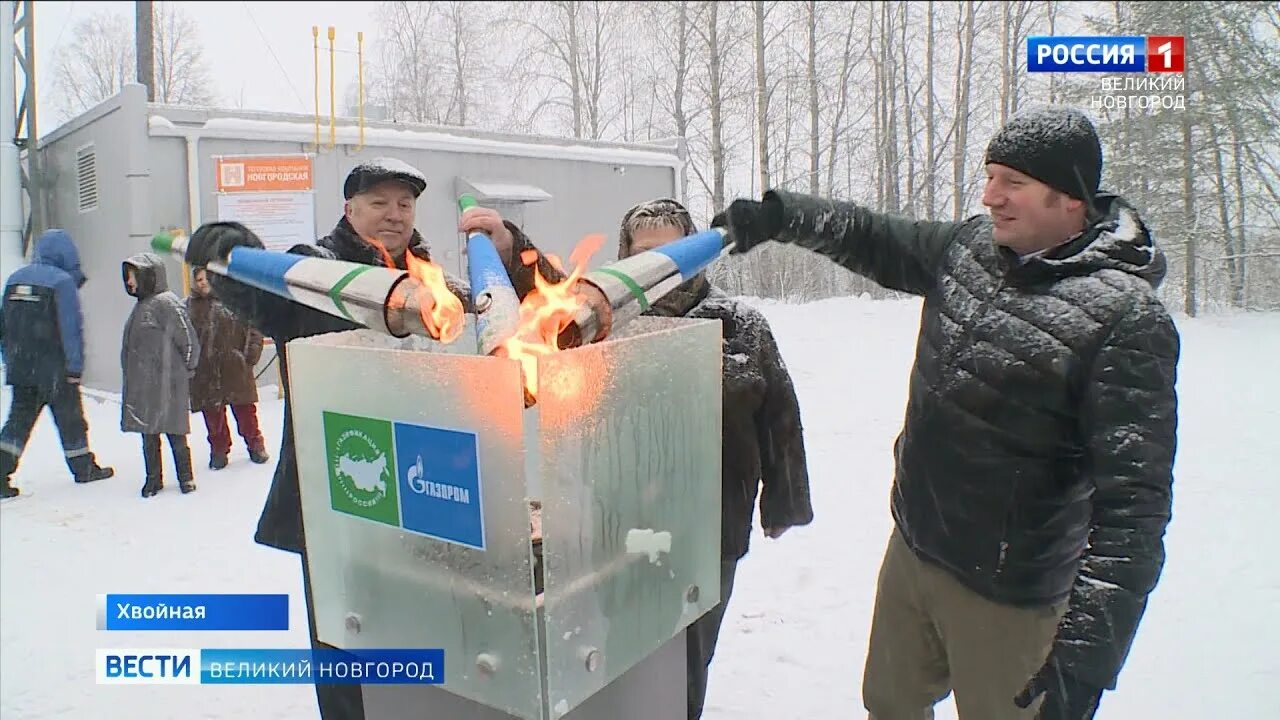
(379, 298)
(621, 291)
(496, 306)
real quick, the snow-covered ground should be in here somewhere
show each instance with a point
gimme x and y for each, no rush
(796, 631)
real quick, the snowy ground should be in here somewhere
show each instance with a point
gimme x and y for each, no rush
(796, 631)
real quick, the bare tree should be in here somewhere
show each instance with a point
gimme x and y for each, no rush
(1021, 14)
(762, 96)
(408, 78)
(101, 60)
(715, 86)
(811, 75)
(1051, 8)
(855, 87)
(181, 73)
(964, 68)
(462, 32)
(572, 50)
(847, 64)
(97, 63)
(908, 113)
(931, 172)
(672, 74)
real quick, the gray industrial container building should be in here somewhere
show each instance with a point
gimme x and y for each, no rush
(126, 169)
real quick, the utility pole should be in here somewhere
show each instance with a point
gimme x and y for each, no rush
(144, 39)
(20, 136)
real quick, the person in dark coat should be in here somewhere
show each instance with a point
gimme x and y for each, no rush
(1033, 480)
(762, 436)
(229, 350)
(377, 228)
(158, 354)
(42, 342)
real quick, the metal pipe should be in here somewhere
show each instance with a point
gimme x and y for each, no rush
(10, 164)
(333, 127)
(378, 298)
(360, 83)
(315, 74)
(193, 198)
(628, 288)
(391, 301)
(494, 298)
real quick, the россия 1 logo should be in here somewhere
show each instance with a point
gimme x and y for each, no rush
(1107, 54)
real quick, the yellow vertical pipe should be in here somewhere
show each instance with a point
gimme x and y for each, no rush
(360, 80)
(333, 127)
(315, 74)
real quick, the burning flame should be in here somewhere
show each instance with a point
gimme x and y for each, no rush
(441, 310)
(547, 311)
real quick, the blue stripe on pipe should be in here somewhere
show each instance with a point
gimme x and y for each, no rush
(262, 269)
(484, 266)
(488, 275)
(695, 252)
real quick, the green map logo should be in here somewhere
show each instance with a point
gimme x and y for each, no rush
(360, 454)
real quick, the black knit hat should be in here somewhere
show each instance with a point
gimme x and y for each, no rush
(1056, 145)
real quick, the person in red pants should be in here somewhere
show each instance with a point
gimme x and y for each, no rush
(229, 350)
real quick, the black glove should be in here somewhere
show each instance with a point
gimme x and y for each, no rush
(212, 242)
(1065, 697)
(749, 223)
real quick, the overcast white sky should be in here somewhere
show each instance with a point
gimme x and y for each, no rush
(242, 42)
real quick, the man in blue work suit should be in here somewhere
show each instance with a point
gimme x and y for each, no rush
(42, 344)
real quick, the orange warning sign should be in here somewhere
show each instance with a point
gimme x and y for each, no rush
(264, 173)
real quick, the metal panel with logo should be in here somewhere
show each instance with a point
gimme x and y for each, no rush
(412, 474)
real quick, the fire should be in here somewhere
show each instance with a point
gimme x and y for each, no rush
(441, 310)
(547, 311)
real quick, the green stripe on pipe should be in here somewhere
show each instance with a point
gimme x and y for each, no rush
(336, 290)
(636, 291)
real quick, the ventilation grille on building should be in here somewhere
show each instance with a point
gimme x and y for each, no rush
(87, 178)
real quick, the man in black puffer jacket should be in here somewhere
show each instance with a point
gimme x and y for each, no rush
(381, 203)
(1033, 478)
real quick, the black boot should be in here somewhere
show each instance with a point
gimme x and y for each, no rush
(154, 464)
(101, 473)
(8, 464)
(90, 471)
(182, 463)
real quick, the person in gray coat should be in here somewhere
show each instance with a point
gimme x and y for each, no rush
(159, 355)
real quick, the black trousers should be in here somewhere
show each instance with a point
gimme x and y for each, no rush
(337, 702)
(64, 403)
(700, 641)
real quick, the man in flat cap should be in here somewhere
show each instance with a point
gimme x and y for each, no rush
(1034, 471)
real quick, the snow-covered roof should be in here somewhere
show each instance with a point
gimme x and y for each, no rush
(410, 138)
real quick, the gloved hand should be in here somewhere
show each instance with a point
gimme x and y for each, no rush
(1065, 697)
(749, 223)
(212, 242)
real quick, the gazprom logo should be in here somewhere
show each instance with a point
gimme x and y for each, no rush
(155, 666)
(1105, 54)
